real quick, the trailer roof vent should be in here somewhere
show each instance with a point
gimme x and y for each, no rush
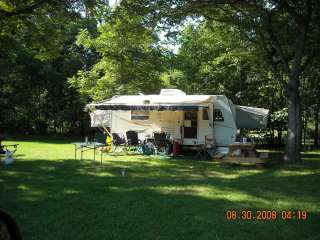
(172, 92)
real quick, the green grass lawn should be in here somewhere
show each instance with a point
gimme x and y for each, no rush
(52, 196)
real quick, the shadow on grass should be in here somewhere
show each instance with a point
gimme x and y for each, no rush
(175, 199)
(43, 139)
(311, 155)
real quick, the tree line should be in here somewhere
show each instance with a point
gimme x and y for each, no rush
(56, 56)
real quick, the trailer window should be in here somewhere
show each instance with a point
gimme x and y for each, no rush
(139, 115)
(205, 114)
(191, 115)
(218, 116)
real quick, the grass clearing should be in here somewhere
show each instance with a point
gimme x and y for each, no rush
(53, 196)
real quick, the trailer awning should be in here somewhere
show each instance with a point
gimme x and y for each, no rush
(158, 107)
(251, 117)
(100, 118)
(153, 102)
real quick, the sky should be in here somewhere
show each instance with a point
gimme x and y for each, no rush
(112, 2)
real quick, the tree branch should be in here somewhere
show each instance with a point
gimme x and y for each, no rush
(23, 10)
(285, 5)
(275, 43)
(271, 52)
(300, 41)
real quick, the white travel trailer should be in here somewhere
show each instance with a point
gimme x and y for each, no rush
(187, 118)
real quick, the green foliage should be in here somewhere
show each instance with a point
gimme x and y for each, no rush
(130, 60)
(37, 58)
(173, 78)
(279, 117)
(5, 6)
(216, 58)
(59, 55)
(210, 64)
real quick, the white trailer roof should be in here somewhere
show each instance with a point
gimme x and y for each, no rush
(153, 102)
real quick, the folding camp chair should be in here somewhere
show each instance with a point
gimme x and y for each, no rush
(210, 145)
(118, 141)
(161, 141)
(206, 150)
(132, 139)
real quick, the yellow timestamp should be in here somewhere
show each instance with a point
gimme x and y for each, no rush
(269, 215)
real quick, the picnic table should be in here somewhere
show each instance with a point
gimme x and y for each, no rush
(86, 146)
(245, 153)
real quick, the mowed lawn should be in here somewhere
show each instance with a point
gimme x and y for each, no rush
(52, 196)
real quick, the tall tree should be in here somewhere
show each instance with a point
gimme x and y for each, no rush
(130, 60)
(262, 20)
(37, 56)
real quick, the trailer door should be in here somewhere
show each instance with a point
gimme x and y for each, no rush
(190, 127)
(205, 127)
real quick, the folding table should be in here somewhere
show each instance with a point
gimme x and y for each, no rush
(86, 146)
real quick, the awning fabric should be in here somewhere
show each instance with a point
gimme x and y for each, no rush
(159, 107)
(153, 102)
(100, 118)
(251, 117)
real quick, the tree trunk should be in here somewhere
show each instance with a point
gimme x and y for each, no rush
(292, 153)
(279, 137)
(316, 128)
(293, 70)
(305, 125)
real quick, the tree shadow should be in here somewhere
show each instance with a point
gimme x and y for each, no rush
(42, 139)
(163, 199)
